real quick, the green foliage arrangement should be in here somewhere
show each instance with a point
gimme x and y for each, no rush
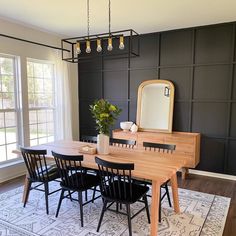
(104, 114)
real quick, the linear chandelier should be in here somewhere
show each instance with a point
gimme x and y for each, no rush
(118, 44)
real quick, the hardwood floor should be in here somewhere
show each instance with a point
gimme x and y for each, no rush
(204, 184)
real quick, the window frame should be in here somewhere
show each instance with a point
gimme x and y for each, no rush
(21, 101)
(16, 110)
(53, 108)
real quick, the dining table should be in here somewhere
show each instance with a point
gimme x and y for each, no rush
(158, 167)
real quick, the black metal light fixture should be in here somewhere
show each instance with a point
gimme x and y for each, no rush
(123, 43)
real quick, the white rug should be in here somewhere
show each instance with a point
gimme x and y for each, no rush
(201, 214)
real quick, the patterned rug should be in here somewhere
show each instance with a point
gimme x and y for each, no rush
(201, 214)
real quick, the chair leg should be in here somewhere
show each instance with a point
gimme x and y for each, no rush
(70, 195)
(129, 219)
(168, 194)
(94, 192)
(117, 207)
(81, 208)
(147, 209)
(160, 207)
(102, 214)
(46, 196)
(60, 200)
(27, 192)
(86, 192)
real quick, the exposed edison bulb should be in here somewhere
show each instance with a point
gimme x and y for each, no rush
(99, 47)
(121, 46)
(78, 50)
(109, 47)
(88, 48)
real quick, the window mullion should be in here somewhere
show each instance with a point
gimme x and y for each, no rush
(18, 101)
(24, 103)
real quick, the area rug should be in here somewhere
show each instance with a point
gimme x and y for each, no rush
(201, 214)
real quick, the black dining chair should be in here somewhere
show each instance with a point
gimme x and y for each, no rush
(117, 187)
(160, 147)
(39, 171)
(165, 148)
(74, 179)
(88, 139)
(122, 143)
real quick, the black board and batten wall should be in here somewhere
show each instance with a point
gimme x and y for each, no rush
(200, 62)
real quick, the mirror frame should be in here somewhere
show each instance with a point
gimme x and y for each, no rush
(171, 107)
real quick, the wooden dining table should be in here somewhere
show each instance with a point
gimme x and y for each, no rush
(157, 167)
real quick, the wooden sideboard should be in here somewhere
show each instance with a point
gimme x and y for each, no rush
(187, 144)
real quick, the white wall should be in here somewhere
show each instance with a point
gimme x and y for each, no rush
(24, 50)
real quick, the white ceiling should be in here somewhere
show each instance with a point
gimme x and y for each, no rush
(68, 17)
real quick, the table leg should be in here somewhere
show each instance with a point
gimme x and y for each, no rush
(184, 172)
(26, 184)
(155, 207)
(174, 186)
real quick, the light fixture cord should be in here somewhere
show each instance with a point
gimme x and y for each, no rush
(88, 17)
(109, 7)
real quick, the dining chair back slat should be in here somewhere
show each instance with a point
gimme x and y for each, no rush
(160, 147)
(122, 142)
(35, 162)
(88, 139)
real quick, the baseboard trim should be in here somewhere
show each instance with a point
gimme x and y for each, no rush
(12, 171)
(9, 178)
(212, 174)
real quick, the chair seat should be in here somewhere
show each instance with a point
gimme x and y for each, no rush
(89, 181)
(52, 173)
(138, 192)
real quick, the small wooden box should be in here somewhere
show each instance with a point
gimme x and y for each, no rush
(87, 149)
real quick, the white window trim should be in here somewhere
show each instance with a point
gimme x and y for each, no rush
(17, 79)
(21, 104)
(28, 109)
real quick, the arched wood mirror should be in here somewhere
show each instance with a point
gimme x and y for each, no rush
(155, 106)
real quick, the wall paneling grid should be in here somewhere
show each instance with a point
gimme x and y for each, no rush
(200, 62)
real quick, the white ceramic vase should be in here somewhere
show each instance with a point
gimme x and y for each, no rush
(103, 144)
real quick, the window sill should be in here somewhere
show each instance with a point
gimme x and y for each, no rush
(11, 163)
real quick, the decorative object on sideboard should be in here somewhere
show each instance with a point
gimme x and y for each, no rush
(80, 47)
(134, 128)
(126, 125)
(105, 115)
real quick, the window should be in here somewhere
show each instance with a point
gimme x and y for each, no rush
(39, 110)
(41, 96)
(8, 107)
